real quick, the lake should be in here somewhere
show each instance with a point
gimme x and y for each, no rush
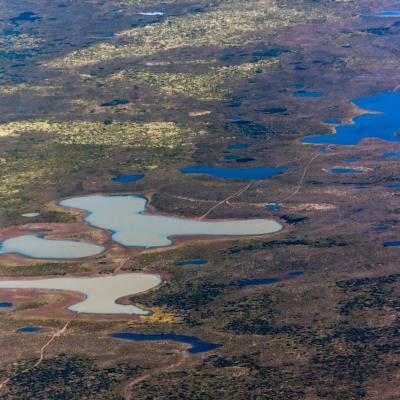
(29, 329)
(101, 292)
(35, 246)
(197, 345)
(128, 178)
(6, 304)
(381, 121)
(340, 170)
(191, 262)
(305, 93)
(395, 243)
(125, 217)
(256, 173)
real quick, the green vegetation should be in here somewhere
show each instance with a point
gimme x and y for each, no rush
(230, 23)
(203, 86)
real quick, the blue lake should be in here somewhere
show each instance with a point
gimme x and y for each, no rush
(6, 304)
(362, 186)
(257, 173)
(128, 178)
(305, 93)
(395, 243)
(391, 154)
(381, 228)
(29, 329)
(191, 262)
(238, 146)
(393, 186)
(274, 207)
(198, 346)
(344, 171)
(382, 122)
(388, 14)
(231, 157)
(351, 160)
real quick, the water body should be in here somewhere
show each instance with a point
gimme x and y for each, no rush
(128, 178)
(151, 13)
(351, 160)
(257, 173)
(35, 246)
(115, 102)
(395, 243)
(101, 292)
(269, 281)
(274, 207)
(382, 122)
(238, 146)
(231, 157)
(341, 170)
(197, 345)
(305, 93)
(30, 215)
(191, 262)
(29, 329)
(388, 14)
(393, 186)
(6, 304)
(391, 154)
(125, 216)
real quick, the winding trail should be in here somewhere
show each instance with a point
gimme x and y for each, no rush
(127, 389)
(55, 335)
(238, 193)
(303, 176)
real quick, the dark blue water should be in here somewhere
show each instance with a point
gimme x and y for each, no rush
(191, 262)
(362, 186)
(381, 228)
(384, 124)
(115, 102)
(197, 345)
(344, 171)
(257, 173)
(274, 207)
(27, 16)
(388, 14)
(393, 186)
(238, 146)
(269, 281)
(128, 178)
(395, 243)
(305, 93)
(231, 157)
(6, 304)
(332, 121)
(391, 154)
(29, 329)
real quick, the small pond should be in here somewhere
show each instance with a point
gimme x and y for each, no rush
(191, 262)
(128, 178)
(197, 345)
(256, 173)
(29, 329)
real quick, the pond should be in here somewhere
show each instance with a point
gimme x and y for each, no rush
(6, 304)
(238, 146)
(395, 243)
(269, 281)
(381, 120)
(342, 170)
(125, 217)
(388, 14)
(191, 262)
(393, 186)
(128, 178)
(101, 292)
(197, 345)
(35, 246)
(274, 207)
(256, 173)
(389, 154)
(29, 329)
(305, 93)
